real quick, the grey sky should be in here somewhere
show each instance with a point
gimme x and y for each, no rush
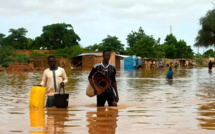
(93, 20)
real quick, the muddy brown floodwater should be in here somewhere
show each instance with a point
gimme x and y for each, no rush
(148, 104)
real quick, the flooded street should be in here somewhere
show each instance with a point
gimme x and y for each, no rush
(148, 104)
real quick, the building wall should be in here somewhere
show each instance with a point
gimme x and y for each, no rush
(90, 60)
(43, 62)
(118, 62)
(20, 67)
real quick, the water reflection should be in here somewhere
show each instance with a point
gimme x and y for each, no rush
(206, 109)
(103, 121)
(207, 119)
(56, 117)
(170, 82)
(151, 102)
(37, 119)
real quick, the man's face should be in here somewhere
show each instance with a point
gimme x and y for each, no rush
(51, 62)
(106, 56)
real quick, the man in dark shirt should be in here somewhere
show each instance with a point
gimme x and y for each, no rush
(109, 71)
(210, 64)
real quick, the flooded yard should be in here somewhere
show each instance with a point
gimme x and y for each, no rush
(148, 104)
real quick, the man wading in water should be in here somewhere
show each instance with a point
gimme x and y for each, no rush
(109, 71)
(54, 78)
(210, 64)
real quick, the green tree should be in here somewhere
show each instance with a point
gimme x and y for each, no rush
(199, 59)
(176, 49)
(170, 51)
(17, 38)
(1, 38)
(170, 40)
(183, 50)
(57, 36)
(112, 43)
(209, 53)
(148, 47)
(134, 37)
(95, 47)
(69, 51)
(206, 34)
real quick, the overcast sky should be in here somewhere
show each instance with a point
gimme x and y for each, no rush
(93, 20)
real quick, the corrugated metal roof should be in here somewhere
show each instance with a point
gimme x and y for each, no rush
(124, 56)
(88, 54)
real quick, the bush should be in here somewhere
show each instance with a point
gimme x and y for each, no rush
(22, 58)
(199, 59)
(36, 53)
(69, 52)
(7, 62)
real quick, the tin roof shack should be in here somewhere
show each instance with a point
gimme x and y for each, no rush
(151, 62)
(86, 61)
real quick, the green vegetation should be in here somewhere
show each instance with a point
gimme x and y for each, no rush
(111, 43)
(56, 36)
(206, 35)
(209, 53)
(199, 59)
(16, 39)
(62, 38)
(69, 52)
(8, 56)
(36, 53)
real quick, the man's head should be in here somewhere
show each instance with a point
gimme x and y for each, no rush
(51, 61)
(106, 55)
(170, 68)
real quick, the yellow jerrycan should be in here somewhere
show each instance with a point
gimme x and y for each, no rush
(37, 97)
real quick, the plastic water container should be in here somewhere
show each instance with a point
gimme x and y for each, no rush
(37, 97)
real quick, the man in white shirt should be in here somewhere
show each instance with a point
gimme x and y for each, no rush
(53, 78)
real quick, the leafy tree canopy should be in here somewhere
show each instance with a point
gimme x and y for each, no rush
(206, 34)
(209, 53)
(17, 39)
(57, 36)
(148, 47)
(134, 37)
(170, 40)
(112, 43)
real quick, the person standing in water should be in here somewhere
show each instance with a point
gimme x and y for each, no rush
(210, 64)
(176, 65)
(110, 72)
(54, 78)
(169, 74)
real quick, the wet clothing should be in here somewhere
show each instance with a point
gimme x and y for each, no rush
(48, 80)
(50, 101)
(210, 65)
(169, 74)
(108, 95)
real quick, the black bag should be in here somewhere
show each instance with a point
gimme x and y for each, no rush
(61, 100)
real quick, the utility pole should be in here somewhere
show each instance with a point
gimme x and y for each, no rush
(198, 50)
(170, 29)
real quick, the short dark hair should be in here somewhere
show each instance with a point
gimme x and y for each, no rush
(51, 57)
(106, 51)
